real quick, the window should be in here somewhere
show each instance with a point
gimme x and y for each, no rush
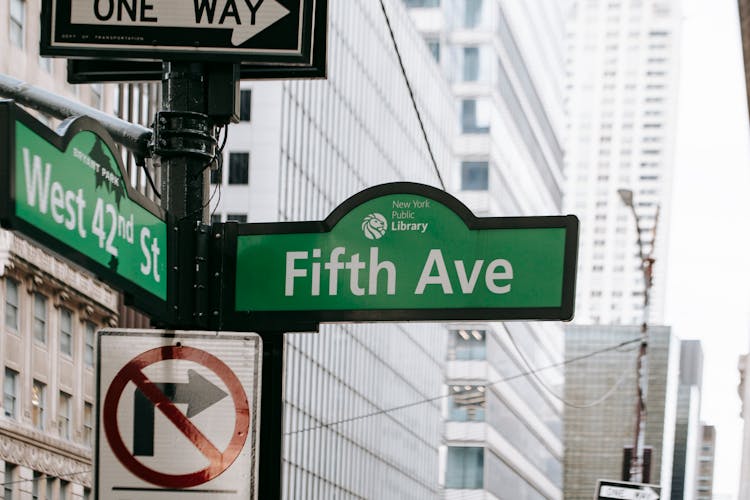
(35, 480)
(471, 64)
(88, 349)
(63, 417)
(236, 218)
(245, 101)
(88, 424)
(466, 403)
(466, 345)
(11, 304)
(239, 167)
(66, 331)
(422, 3)
(50, 488)
(464, 468)
(10, 390)
(474, 175)
(474, 117)
(434, 45)
(38, 403)
(472, 13)
(17, 21)
(9, 480)
(86, 493)
(40, 318)
(64, 488)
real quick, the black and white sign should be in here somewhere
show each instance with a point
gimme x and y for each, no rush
(177, 413)
(621, 490)
(258, 31)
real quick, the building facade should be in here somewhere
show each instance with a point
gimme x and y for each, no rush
(601, 392)
(504, 62)
(622, 65)
(51, 311)
(688, 427)
(706, 455)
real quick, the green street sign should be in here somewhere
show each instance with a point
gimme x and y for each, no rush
(398, 252)
(67, 191)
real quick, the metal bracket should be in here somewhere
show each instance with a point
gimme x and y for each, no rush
(183, 133)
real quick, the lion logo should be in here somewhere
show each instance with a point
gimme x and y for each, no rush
(374, 226)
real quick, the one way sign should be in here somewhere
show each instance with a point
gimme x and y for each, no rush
(178, 413)
(253, 31)
(621, 490)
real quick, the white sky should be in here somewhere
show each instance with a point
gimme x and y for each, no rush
(708, 296)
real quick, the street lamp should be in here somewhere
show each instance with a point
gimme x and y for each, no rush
(635, 471)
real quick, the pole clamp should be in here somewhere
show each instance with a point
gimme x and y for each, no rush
(183, 133)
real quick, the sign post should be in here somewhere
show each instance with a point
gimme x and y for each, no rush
(178, 412)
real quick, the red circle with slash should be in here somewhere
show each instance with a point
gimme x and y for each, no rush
(219, 460)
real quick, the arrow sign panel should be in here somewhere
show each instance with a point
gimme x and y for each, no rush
(246, 18)
(177, 413)
(198, 394)
(621, 490)
(290, 33)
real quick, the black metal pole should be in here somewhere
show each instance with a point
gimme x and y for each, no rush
(184, 140)
(271, 417)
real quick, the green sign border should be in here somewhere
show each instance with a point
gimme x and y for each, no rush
(135, 295)
(226, 236)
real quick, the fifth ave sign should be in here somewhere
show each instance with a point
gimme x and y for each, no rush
(232, 30)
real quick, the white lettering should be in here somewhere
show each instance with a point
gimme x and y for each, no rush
(34, 183)
(332, 266)
(434, 259)
(492, 276)
(292, 272)
(375, 268)
(57, 202)
(467, 285)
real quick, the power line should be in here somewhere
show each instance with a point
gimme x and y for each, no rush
(531, 371)
(411, 96)
(564, 401)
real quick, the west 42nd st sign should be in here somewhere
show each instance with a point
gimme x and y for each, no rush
(399, 252)
(68, 192)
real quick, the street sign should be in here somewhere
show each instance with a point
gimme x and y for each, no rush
(68, 191)
(621, 490)
(273, 33)
(177, 413)
(398, 252)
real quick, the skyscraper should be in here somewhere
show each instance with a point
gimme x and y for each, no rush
(601, 392)
(504, 62)
(621, 100)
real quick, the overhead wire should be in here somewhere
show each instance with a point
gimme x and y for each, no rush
(564, 401)
(531, 371)
(411, 95)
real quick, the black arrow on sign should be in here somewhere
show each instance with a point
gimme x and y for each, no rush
(199, 394)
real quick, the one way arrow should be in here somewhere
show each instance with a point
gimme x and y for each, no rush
(246, 18)
(199, 394)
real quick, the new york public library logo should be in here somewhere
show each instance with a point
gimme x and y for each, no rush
(374, 226)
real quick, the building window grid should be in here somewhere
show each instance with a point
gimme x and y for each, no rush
(10, 393)
(64, 415)
(66, 331)
(88, 423)
(9, 481)
(17, 22)
(239, 168)
(11, 305)
(89, 347)
(38, 404)
(40, 318)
